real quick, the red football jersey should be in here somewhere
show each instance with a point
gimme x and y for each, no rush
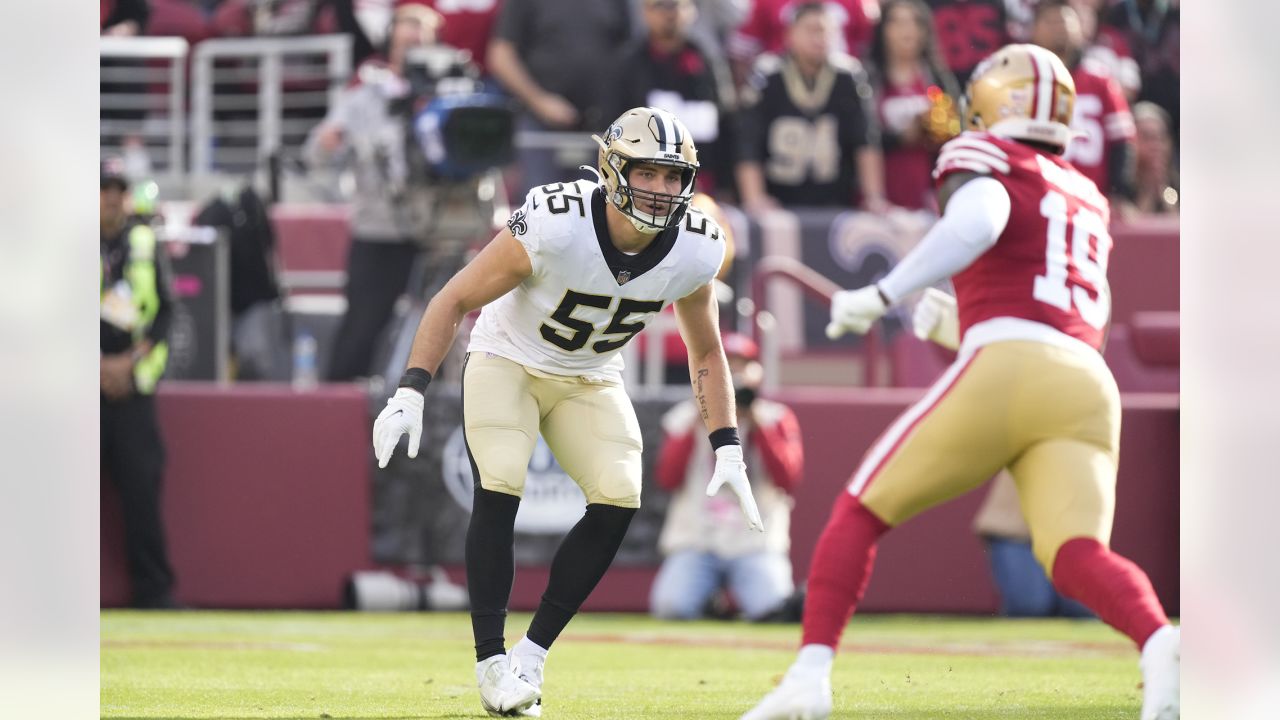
(764, 29)
(468, 25)
(1102, 117)
(1050, 263)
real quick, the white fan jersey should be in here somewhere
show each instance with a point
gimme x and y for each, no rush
(585, 298)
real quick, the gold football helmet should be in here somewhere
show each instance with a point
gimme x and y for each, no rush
(647, 135)
(1022, 92)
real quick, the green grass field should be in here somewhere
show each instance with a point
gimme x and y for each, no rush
(356, 666)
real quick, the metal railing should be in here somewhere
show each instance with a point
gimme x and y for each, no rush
(254, 96)
(820, 289)
(249, 97)
(143, 95)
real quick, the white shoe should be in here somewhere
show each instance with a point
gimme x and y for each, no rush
(800, 696)
(502, 693)
(529, 669)
(1161, 664)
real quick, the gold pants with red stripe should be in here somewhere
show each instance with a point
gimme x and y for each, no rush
(590, 427)
(1050, 415)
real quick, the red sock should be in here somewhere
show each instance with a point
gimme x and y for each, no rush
(1111, 586)
(841, 567)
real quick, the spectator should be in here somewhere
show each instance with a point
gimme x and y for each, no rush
(1103, 148)
(968, 31)
(123, 18)
(703, 538)
(557, 57)
(187, 19)
(1148, 31)
(467, 26)
(668, 69)
(464, 24)
(363, 130)
(714, 22)
(765, 29)
(1025, 591)
(234, 18)
(135, 315)
(1157, 173)
(1098, 49)
(808, 133)
(910, 81)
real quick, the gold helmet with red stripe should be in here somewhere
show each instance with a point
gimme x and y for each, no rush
(646, 135)
(1022, 92)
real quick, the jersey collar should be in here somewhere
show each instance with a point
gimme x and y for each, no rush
(622, 266)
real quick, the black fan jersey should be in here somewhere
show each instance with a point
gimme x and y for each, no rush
(804, 133)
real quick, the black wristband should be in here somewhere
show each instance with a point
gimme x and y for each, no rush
(724, 436)
(416, 378)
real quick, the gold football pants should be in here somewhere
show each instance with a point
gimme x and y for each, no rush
(1050, 415)
(590, 427)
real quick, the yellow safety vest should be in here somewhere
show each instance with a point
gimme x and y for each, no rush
(140, 274)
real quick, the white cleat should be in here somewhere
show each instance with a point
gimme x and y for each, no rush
(1161, 663)
(502, 693)
(800, 696)
(529, 669)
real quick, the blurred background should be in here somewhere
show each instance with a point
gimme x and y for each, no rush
(313, 170)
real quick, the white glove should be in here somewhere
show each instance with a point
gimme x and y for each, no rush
(855, 311)
(731, 470)
(937, 318)
(403, 414)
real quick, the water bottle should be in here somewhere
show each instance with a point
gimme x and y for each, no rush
(305, 373)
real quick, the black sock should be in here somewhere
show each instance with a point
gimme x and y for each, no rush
(490, 567)
(582, 559)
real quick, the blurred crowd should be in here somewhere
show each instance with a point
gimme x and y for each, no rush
(792, 102)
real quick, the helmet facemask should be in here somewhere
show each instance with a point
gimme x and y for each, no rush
(644, 136)
(650, 211)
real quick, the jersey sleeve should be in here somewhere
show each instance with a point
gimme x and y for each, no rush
(973, 153)
(525, 228)
(710, 247)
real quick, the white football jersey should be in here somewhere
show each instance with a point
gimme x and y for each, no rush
(585, 298)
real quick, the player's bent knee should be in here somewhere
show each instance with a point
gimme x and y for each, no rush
(501, 457)
(503, 475)
(619, 486)
(1047, 548)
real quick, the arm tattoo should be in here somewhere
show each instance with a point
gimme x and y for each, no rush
(702, 398)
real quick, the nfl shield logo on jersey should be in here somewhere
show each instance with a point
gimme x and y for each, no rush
(623, 276)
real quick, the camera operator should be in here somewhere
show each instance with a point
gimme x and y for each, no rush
(366, 130)
(706, 546)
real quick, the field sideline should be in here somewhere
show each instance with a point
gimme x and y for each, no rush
(294, 665)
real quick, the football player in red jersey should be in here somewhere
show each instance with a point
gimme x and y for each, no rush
(1024, 239)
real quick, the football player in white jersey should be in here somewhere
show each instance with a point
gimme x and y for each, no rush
(577, 272)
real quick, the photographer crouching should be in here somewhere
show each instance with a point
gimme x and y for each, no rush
(417, 133)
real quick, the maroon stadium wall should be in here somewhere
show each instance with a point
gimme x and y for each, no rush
(267, 503)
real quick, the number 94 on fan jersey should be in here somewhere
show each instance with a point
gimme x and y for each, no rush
(585, 299)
